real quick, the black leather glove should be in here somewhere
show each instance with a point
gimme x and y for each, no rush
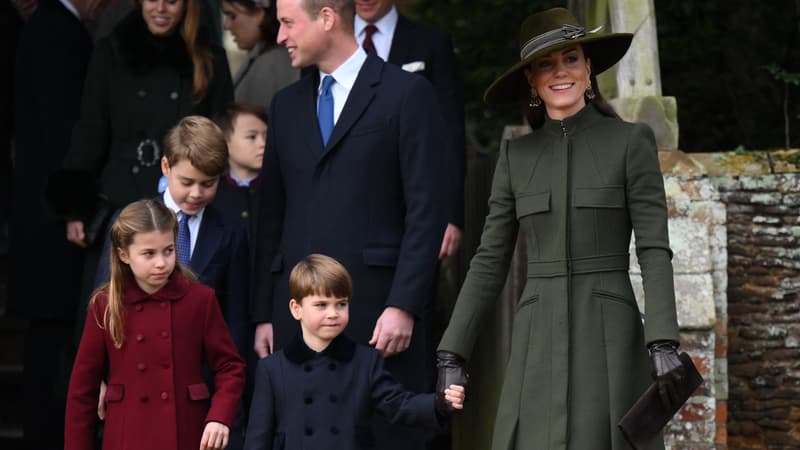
(666, 370)
(450, 370)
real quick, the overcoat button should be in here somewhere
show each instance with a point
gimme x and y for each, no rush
(308, 368)
(331, 366)
(164, 334)
(244, 214)
(141, 93)
(135, 170)
(333, 398)
(309, 431)
(139, 338)
(163, 304)
(165, 365)
(139, 307)
(141, 367)
(164, 396)
(144, 399)
(173, 95)
(334, 430)
(308, 400)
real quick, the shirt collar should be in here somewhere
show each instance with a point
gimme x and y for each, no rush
(341, 349)
(233, 179)
(71, 8)
(385, 25)
(347, 72)
(171, 204)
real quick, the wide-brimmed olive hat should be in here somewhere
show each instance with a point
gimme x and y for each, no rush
(550, 30)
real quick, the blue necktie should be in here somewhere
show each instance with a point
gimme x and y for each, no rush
(184, 239)
(325, 109)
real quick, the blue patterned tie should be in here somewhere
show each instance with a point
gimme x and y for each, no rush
(184, 239)
(325, 109)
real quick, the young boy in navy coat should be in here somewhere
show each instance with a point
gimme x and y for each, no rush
(321, 390)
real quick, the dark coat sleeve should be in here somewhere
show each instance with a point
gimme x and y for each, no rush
(237, 291)
(398, 405)
(421, 163)
(261, 425)
(271, 197)
(220, 89)
(225, 363)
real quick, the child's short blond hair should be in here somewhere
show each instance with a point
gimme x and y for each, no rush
(319, 275)
(200, 141)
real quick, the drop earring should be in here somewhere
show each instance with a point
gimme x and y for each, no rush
(590, 92)
(536, 101)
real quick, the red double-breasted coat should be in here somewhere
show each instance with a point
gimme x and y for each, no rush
(156, 396)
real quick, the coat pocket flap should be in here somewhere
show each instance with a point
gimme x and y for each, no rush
(599, 197)
(277, 263)
(198, 391)
(381, 257)
(533, 203)
(115, 392)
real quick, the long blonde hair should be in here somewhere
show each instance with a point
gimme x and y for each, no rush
(142, 216)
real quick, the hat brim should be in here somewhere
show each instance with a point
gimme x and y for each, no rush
(603, 50)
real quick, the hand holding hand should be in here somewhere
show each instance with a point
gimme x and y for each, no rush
(263, 344)
(666, 370)
(451, 374)
(393, 331)
(215, 436)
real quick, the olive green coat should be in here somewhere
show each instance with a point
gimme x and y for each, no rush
(578, 361)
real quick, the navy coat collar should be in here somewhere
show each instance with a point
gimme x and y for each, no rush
(341, 349)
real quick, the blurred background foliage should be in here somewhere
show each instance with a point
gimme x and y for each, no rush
(713, 56)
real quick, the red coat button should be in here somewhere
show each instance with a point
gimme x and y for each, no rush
(139, 338)
(165, 365)
(164, 395)
(141, 367)
(139, 307)
(144, 399)
(163, 304)
(164, 334)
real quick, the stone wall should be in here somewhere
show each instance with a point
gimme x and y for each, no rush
(756, 339)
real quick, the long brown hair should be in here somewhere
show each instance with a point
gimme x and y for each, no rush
(203, 70)
(142, 216)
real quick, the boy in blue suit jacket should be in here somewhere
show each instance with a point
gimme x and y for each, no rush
(321, 390)
(195, 156)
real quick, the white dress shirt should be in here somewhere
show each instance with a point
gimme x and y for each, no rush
(383, 37)
(345, 76)
(194, 221)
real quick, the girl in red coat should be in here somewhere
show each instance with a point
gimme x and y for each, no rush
(147, 332)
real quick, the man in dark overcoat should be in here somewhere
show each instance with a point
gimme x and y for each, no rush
(44, 275)
(368, 193)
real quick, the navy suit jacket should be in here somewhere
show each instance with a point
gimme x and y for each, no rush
(370, 199)
(413, 42)
(220, 262)
(305, 399)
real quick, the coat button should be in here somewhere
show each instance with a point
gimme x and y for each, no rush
(308, 400)
(173, 95)
(165, 365)
(163, 304)
(333, 398)
(135, 170)
(164, 334)
(139, 338)
(334, 430)
(331, 366)
(307, 368)
(164, 395)
(139, 307)
(309, 431)
(141, 367)
(141, 93)
(144, 399)
(245, 214)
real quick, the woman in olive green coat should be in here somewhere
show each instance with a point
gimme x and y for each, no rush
(576, 186)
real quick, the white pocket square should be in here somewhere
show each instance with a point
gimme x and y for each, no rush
(415, 66)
